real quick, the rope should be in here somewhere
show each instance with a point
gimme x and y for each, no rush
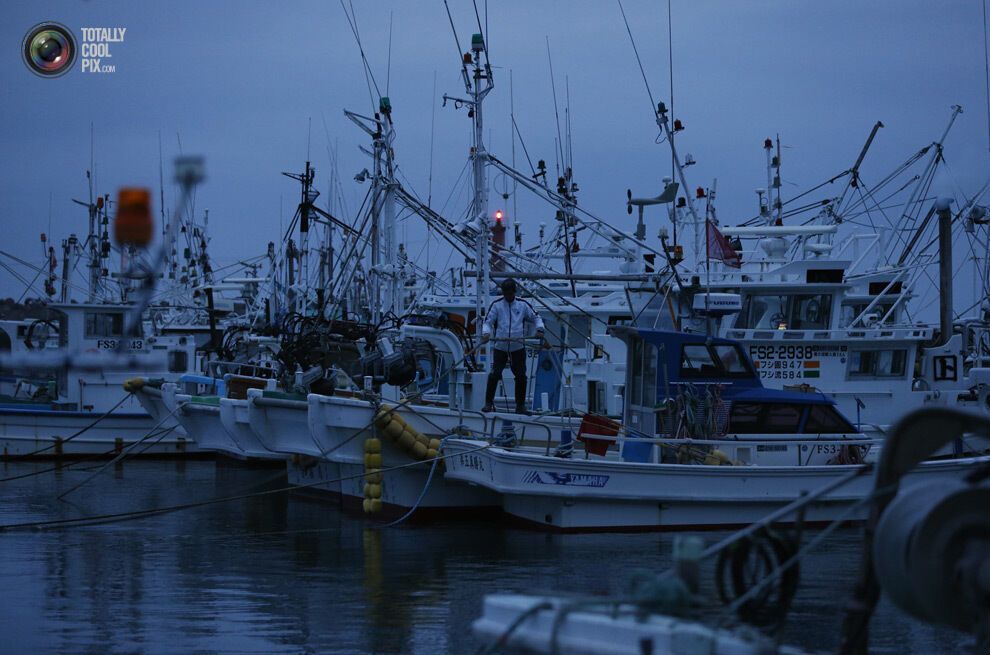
(155, 511)
(429, 478)
(60, 466)
(777, 572)
(124, 452)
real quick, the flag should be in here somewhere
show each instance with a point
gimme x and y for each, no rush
(718, 247)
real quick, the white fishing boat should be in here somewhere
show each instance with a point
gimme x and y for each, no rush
(89, 412)
(774, 447)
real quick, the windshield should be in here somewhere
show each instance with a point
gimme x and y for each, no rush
(786, 312)
(726, 360)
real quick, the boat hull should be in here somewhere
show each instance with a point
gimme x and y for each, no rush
(236, 421)
(602, 495)
(43, 434)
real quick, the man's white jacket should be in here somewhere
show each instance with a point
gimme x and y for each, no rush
(506, 323)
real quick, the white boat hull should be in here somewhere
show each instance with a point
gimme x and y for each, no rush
(202, 423)
(597, 494)
(44, 434)
(340, 425)
(236, 421)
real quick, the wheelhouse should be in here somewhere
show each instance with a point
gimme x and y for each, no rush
(690, 385)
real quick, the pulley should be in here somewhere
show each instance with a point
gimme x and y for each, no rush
(931, 552)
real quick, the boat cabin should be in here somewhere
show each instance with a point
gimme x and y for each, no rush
(686, 385)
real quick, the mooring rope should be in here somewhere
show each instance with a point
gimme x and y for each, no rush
(124, 452)
(84, 521)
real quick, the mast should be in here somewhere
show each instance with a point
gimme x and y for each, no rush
(942, 208)
(482, 85)
(667, 131)
(68, 245)
(307, 183)
(375, 299)
(393, 299)
(92, 240)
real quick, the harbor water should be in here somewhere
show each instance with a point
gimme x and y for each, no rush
(283, 573)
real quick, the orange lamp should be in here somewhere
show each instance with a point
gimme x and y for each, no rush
(134, 225)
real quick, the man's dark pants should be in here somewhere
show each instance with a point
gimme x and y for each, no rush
(518, 367)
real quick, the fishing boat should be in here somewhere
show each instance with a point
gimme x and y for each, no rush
(88, 412)
(673, 463)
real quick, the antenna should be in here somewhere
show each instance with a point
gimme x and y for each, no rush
(670, 64)
(553, 88)
(433, 123)
(460, 51)
(369, 77)
(161, 183)
(388, 65)
(512, 117)
(986, 65)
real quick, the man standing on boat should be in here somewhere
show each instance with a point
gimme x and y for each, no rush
(507, 318)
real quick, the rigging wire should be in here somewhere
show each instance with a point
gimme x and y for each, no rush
(642, 71)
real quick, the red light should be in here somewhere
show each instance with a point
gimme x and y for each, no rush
(467, 58)
(678, 125)
(498, 215)
(700, 193)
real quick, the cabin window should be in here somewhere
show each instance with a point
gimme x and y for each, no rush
(649, 375)
(636, 360)
(779, 418)
(810, 312)
(104, 324)
(789, 311)
(745, 418)
(643, 392)
(696, 361)
(178, 361)
(767, 418)
(721, 360)
(877, 363)
(731, 359)
(578, 331)
(824, 419)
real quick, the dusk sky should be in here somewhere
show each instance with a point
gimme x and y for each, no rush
(238, 84)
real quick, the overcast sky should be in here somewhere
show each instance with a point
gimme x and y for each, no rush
(239, 87)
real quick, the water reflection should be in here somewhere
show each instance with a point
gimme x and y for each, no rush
(282, 573)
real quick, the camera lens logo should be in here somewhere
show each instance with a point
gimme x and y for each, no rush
(49, 49)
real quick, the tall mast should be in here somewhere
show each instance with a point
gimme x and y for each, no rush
(307, 183)
(481, 87)
(393, 299)
(375, 297)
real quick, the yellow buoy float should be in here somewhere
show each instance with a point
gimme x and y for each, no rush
(410, 440)
(372, 475)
